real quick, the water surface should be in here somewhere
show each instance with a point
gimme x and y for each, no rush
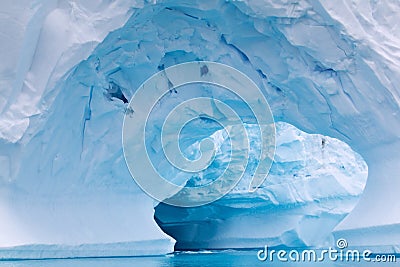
(182, 259)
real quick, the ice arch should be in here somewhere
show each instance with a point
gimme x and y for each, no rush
(329, 69)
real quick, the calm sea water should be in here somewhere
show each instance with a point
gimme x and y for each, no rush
(203, 259)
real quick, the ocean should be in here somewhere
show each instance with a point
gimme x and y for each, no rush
(231, 258)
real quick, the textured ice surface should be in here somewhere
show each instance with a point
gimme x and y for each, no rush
(324, 67)
(145, 247)
(314, 182)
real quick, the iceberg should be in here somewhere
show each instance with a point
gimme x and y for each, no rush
(69, 67)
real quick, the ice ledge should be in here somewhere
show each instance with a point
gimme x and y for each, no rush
(119, 249)
(382, 239)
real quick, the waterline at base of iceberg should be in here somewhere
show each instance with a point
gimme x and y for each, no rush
(233, 258)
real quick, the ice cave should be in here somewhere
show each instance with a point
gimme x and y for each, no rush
(330, 71)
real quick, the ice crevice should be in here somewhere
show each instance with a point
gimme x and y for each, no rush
(328, 71)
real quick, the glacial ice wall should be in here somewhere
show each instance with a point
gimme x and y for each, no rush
(326, 68)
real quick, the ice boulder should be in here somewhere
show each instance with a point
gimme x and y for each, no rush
(314, 182)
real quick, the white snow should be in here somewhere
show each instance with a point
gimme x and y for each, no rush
(41, 41)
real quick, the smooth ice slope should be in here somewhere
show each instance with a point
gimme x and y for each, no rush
(325, 67)
(41, 41)
(314, 182)
(58, 196)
